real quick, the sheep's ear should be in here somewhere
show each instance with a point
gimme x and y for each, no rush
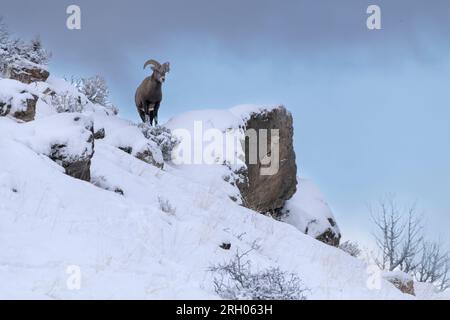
(166, 66)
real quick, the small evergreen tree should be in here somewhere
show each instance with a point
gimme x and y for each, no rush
(17, 54)
(4, 45)
(4, 34)
(35, 53)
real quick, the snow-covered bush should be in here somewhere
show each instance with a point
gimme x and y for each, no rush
(162, 136)
(34, 52)
(96, 90)
(351, 248)
(66, 102)
(17, 54)
(235, 280)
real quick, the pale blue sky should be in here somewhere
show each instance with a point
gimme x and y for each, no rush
(371, 108)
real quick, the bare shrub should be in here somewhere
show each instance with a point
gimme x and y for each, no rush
(434, 265)
(235, 280)
(66, 102)
(166, 207)
(96, 91)
(402, 246)
(398, 236)
(351, 248)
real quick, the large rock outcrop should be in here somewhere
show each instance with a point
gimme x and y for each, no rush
(263, 189)
(262, 170)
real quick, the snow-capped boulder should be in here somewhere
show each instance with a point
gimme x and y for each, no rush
(401, 281)
(268, 192)
(149, 152)
(259, 189)
(66, 139)
(17, 100)
(29, 109)
(129, 138)
(310, 213)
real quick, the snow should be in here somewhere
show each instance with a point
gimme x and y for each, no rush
(427, 291)
(308, 211)
(397, 275)
(124, 245)
(127, 248)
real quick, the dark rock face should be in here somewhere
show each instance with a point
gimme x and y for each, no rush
(128, 150)
(79, 169)
(99, 134)
(29, 75)
(260, 191)
(5, 108)
(330, 237)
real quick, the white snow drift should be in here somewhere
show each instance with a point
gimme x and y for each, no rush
(124, 245)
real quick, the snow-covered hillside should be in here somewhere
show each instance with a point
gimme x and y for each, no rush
(136, 230)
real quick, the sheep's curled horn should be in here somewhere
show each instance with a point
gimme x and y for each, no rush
(165, 67)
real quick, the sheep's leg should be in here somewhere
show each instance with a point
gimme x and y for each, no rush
(152, 114)
(141, 114)
(156, 113)
(146, 116)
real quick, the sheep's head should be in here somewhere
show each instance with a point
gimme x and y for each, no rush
(159, 70)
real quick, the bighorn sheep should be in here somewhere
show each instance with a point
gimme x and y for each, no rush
(148, 94)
